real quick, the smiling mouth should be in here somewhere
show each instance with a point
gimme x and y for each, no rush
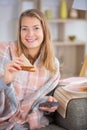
(31, 40)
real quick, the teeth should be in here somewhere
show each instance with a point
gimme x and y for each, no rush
(30, 40)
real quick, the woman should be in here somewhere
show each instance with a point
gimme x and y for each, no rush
(22, 91)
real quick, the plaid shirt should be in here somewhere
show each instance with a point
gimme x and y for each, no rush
(25, 93)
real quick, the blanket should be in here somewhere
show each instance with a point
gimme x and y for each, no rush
(28, 89)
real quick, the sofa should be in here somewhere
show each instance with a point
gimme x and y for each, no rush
(76, 117)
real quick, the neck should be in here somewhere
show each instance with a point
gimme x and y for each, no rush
(33, 54)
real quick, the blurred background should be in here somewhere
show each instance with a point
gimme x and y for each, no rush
(68, 28)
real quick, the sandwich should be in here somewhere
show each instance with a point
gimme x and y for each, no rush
(27, 66)
(83, 89)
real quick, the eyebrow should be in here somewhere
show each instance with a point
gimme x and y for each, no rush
(32, 26)
(23, 26)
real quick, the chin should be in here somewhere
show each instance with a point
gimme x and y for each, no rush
(33, 46)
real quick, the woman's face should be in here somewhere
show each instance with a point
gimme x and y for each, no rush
(31, 32)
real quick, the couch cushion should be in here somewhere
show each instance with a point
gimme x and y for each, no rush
(52, 127)
(76, 118)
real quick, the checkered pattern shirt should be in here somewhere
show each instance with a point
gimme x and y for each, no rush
(20, 99)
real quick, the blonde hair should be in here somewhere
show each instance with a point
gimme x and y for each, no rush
(46, 50)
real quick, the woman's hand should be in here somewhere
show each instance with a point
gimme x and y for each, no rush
(11, 69)
(50, 109)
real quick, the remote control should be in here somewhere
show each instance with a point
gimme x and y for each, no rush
(49, 104)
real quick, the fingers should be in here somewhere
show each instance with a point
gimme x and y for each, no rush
(14, 65)
(52, 108)
(51, 99)
(11, 69)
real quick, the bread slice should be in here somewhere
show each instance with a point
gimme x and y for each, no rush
(27, 66)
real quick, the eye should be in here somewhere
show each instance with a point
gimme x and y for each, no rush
(36, 28)
(23, 29)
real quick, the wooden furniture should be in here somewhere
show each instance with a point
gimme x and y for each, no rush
(70, 53)
(83, 71)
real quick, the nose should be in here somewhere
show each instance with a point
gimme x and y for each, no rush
(30, 32)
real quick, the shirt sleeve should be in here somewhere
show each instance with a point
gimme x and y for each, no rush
(8, 89)
(4, 56)
(2, 84)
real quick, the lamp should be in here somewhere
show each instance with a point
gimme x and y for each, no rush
(80, 4)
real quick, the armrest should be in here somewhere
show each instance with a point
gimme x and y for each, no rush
(76, 118)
